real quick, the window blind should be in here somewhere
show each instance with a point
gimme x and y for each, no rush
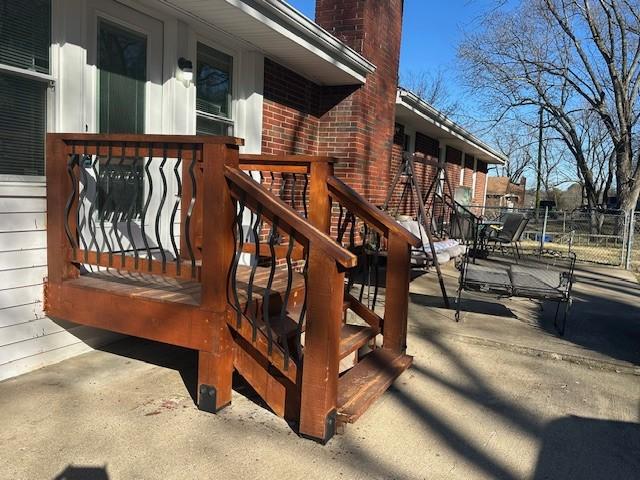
(25, 34)
(22, 125)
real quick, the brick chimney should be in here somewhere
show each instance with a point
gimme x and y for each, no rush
(357, 124)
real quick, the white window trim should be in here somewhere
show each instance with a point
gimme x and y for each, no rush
(48, 78)
(235, 58)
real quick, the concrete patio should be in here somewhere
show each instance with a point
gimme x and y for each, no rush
(496, 396)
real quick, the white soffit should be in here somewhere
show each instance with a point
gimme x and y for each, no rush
(282, 33)
(412, 111)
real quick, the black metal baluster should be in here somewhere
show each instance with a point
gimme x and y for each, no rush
(239, 241)
(187, 221)
(176, 205)
(273, 179)
(304, 195)
(81, 202)
(102, 212)
(376, 272)
(71, 163)
(93, 161)
(254, 267)
(267, 290)
(143, 214)
(283, 182)
(352, 246)
(163, 255)
(287, 293)
(293, 191)
(134, 202)
(366, 277)
(340, 216)
(303, 309)
(117, 209)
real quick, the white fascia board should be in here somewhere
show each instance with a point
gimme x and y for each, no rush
(289, 22)
(419, 107)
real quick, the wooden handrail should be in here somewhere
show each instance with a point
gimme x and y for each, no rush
(275, 206)
(282, 163)
(145, 138)
(368, 212)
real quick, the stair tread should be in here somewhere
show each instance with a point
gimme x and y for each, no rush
(352, 337)
(368, 380)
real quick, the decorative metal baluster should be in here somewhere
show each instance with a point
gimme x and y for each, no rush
(304, 195)
(81, 203)
(283, 184)
(238, 246)
(376, 271)
(340, 217)
(176, 205)
(273, 179)
(267, 290)
(303, 309)
(163, 255)
(192, 204)
(285, 302)
(102, 212)
(257, 226)
(92, 162)
(145, 208)
(293, 191)
(134, 202)
(117, 209)
(352, 247)
(71, 163)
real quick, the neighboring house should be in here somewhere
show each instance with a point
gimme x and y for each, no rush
(261, 71)
(502, 192)
(420, 128)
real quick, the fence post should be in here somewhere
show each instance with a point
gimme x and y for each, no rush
(625, 232)
(630, 235)
(544, 228)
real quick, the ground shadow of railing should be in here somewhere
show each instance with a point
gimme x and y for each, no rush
(73, 472)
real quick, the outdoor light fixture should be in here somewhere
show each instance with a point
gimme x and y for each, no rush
(187, 69)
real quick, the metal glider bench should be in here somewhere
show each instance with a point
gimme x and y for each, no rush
(551, 279)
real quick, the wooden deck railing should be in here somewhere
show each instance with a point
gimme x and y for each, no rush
(258, 246)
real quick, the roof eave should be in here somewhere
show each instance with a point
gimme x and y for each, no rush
(428, 112)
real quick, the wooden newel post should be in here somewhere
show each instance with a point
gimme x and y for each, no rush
(215, 367)
(59, 190)
(397, 294)
(319, 200)
(325, 294)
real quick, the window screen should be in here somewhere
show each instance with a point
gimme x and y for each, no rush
(213, 92)
(25, 34)
(23, 117)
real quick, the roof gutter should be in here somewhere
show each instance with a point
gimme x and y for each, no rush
(437, 117)
(294, 21)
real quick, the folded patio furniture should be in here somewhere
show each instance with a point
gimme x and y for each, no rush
(488, 279)
(445, 249)
(537, 282)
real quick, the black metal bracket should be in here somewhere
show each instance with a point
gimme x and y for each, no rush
(329, 429)
(207, 399)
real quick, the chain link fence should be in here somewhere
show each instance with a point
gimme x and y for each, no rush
(603, 237)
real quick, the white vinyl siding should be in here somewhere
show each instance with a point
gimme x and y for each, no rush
(28, 338)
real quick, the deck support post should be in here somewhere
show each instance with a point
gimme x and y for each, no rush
(215, 367)
(319, 394)
(397, 294)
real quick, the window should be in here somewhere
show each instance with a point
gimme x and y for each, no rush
(213, 92)
(25, 38)
(122, 77)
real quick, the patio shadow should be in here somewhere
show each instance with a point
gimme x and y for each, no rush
(82, 473)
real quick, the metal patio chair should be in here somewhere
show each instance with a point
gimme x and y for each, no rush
(510, 232)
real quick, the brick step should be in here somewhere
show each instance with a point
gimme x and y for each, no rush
(361, 386)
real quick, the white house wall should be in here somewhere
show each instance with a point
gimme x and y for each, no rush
(28, 338)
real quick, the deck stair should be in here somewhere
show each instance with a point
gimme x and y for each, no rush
(291, 301)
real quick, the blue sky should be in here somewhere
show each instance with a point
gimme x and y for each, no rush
(432, 30)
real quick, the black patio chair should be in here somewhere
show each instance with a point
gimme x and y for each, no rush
(509, 234)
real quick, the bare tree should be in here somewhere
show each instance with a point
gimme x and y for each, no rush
(573, 58)
(432, 88)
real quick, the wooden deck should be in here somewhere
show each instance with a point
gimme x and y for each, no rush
(176, 290)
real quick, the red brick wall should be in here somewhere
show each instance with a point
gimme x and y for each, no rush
(359, 129)
(290, 114)
(467, 181)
